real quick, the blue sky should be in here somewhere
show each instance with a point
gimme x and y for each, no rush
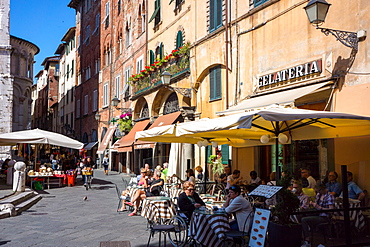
(42, 22)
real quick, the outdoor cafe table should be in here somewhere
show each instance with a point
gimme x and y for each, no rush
(356, 215)
(209, 227)
(162, 203)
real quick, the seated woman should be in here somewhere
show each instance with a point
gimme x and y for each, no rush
(189, 200)
(324, 201)
(190, 176)
(242, 209)
(154, 189)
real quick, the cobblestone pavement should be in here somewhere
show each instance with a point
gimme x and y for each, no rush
(63, 218)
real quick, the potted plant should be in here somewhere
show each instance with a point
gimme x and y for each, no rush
(216, 165)
(281, 229)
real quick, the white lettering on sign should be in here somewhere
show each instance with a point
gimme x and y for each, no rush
(291, 73)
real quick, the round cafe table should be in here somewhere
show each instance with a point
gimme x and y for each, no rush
(156, 208)
(208, 227)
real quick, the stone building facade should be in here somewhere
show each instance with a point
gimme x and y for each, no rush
(88, 26)
(16, 74)
(67, 83)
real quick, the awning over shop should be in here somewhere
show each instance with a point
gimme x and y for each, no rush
(125, 144)
(280, 98)
(90, 145)
(163, 120)
(103, 145)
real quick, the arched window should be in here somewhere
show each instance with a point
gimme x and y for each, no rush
(104, 131)
(172, 104)
(145, 111)
(179, 40)
(159, 51)
(85, 138)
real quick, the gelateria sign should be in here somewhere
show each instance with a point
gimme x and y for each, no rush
(291, 74)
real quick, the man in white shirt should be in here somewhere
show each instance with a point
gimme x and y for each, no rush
(306, 173)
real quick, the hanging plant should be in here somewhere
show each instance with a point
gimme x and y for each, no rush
(217, 166)
(125, 122)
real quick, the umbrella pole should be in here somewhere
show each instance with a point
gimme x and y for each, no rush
(205, 170)
(278, 171)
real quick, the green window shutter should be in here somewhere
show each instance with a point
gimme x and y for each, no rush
(211, 84)
(215, 83)
(156, 10)
(218, 82)
(208, 151)
(67, 71)
(225, 154)
(259, 2)
(211, 15)
(161, 51)
(151, 57)
(73, 65)
(218, 12)
(179, 40)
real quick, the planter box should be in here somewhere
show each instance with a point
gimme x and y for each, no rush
(284, 235)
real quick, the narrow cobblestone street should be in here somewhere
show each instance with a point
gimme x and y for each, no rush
(63, 218)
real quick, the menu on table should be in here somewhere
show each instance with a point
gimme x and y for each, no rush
(265, 190)
(259, 227)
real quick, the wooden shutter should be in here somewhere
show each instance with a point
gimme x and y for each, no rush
(211, 84)
(218, 12)
(225, 154)
(212, 15)
(151, 57)
(179, 40)
(217, 82)
(161, 51)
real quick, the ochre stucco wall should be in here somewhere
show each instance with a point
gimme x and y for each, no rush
(243, 160)
(354, 152)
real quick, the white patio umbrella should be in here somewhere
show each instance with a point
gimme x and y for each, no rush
(37, 136)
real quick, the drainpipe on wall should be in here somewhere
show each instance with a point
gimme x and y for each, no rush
(227, 52)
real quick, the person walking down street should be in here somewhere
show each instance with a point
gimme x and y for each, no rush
(333, 186)
(306, 173)
(106, 164)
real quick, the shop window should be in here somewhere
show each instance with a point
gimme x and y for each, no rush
(215, 83)
(215, 14)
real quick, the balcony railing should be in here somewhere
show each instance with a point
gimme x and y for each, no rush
(178, 67)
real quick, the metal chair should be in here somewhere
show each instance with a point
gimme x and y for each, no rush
(119, 198)
(156, 225)
(239, 235)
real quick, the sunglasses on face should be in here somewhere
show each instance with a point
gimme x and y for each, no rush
(191, 189)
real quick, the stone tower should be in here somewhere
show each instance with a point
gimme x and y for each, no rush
(6, 80)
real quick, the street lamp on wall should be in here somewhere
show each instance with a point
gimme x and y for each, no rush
(166, 79)
(317, 10)
(115, 101)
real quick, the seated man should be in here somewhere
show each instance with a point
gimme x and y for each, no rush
(324, 201)
(155, 187)
(189, 200)
(303, 198)
(354, 192)
(332, 185)
(241, 208)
